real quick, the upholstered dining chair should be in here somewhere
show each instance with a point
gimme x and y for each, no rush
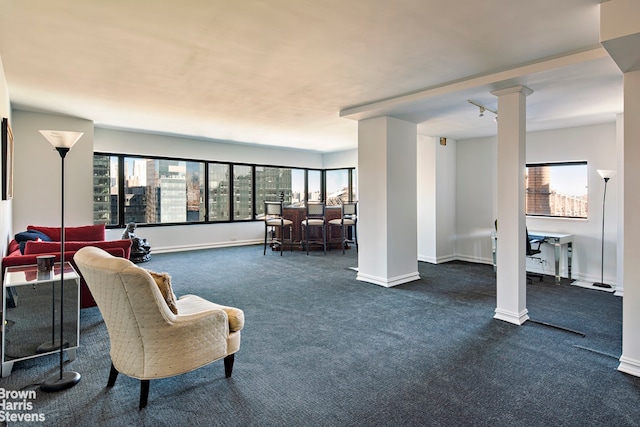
(274, 219)
(152, 334)
(315, 218)
(348, 218)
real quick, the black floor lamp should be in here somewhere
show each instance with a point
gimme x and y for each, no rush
(606, 175)
(62, 141)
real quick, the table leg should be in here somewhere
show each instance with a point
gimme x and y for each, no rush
(569, 255)
(557, 249)
(494, 250)
(7, 367)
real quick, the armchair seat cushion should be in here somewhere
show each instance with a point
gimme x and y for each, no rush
(188, 304)
(312, 222)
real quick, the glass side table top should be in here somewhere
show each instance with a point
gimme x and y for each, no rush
(29, 274)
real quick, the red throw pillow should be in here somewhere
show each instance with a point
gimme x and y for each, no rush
(85, 233)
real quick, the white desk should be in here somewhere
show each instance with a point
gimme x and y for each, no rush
(555, 239)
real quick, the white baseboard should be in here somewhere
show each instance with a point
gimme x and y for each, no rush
(629, 366)
(388, 282)
(182, 248)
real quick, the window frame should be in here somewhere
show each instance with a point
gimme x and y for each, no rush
(255, 211)
(558, 164)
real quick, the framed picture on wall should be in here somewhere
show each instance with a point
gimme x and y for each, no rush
(7, 160)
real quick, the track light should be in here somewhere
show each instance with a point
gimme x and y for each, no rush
(483, 109)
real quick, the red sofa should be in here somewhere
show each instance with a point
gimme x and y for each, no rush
(34, 243)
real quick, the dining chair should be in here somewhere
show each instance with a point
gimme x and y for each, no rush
(275, 221)
(315, 218)
(348, 220)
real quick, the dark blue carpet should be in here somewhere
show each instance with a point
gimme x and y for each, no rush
(322, 349)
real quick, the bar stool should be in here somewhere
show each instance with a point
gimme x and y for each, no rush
(273, 217)
(315, 218)
(348, 218)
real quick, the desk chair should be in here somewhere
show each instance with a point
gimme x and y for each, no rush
(315, 218)
(531, 252)
(274, 219)
(348, 218)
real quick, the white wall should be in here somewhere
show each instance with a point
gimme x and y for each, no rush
(340, 159)
(145, 144)
(476, 199)
(5, 206)
(426, 198)
(37, 172)
(436, 174)
(476, 211)
(203, 235)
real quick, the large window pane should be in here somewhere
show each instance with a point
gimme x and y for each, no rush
(105, 189)
(163, 191)
(337, 184)
(195, 192)
(272, 184)
(297, 187)
(314, 186)
(557, 190)
(242, 192)
(135, 190)
(219, 192)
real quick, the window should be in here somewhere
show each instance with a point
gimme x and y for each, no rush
(557, 190)
(160, 191)
(105, 189)
(165, 191)
(297, 187)
(340, 185)
(314, 188)
(219, 203)
(242, 192)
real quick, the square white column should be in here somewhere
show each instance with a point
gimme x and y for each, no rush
(387, 210)
(511, 255)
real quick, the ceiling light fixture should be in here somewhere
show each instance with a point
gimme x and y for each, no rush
(483, 108)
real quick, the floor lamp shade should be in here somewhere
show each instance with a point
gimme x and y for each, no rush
(606, 174)
(62, 141)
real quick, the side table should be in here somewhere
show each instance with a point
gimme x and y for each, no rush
(31, 313)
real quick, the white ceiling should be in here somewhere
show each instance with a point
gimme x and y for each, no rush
(296, 73)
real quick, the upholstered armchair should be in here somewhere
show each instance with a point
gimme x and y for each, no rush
(154, 336)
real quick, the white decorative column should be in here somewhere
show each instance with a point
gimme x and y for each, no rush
(387, 211)
(620, 36)
(511, 255)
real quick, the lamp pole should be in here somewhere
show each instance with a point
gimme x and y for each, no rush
(62, 141)
(606, 175)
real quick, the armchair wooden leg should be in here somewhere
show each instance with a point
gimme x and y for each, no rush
(144, 393)
(113, 375)
(228, 365)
